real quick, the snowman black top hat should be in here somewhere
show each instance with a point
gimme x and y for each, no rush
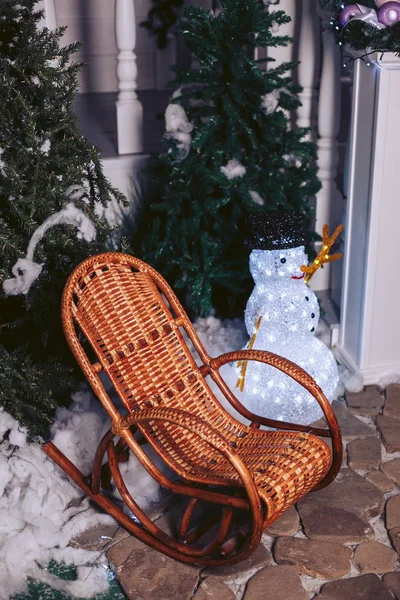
(274, 230)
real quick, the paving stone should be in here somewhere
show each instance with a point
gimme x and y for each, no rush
(390, 431)
(365, 454)
(261, 557)
(351, 427)
(392, 469)
(394, 535)
(146, 574)
(392, 582)
(120, 535)
(287, 524)
(392, 404)
(333, 524)
(118, 553)
(367, 402)
(213, 588)
(326, 560)
(275, 583)
(373, 557)
(393, 512)
(349, 492)
(380, 480)
(365, 587)
(95, 538)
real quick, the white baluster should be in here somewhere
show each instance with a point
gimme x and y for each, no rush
(308, 52)
(283, 54)
(129, 108)
(329, 199)
(49, 20)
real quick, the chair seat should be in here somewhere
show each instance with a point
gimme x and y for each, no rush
(285, 465)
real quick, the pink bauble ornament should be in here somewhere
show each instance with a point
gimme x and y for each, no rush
(348, 13)
(380, 3)
(389, 13)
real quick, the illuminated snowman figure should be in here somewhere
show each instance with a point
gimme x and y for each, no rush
(282, 316)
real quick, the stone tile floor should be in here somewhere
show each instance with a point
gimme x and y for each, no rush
(340, 543)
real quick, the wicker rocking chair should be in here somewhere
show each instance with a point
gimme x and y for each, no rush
(133, 322)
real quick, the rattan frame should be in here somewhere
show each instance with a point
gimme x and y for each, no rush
(134, 323)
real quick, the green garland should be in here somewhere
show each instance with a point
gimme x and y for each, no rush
(361, 36)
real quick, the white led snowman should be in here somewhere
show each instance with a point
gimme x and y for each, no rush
(281, 316)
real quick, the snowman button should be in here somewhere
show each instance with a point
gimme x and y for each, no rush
(307, 298)
(312, 315)
(313, 329)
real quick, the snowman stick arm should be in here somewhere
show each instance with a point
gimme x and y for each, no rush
(299, 375)
(323, 255)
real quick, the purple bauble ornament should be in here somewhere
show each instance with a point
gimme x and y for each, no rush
(380, 3)
(389, 13)
(348, 13)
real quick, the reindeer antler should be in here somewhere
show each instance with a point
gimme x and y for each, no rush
(323, 254)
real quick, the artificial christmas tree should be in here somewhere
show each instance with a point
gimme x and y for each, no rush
(230, 150)
(46, 167)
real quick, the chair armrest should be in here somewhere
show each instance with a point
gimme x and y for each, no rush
(299, 375)
(206, 432)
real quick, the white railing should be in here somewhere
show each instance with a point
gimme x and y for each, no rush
(319, 75)
(128, 107)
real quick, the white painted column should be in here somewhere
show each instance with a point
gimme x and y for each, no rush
(308, 54)
(129, 108)
(283, 54)
(49, 20)
(370, 323)
(329, 199)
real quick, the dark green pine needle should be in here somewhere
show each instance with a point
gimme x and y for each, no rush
(42, 154)
(191, 228)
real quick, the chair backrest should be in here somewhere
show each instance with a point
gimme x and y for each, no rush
(132, 320)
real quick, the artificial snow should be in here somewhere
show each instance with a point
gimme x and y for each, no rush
(37, 515)
(233, 169)
(25, 270)
(351, 381)
(388, 379)
(293, 160)
(255, 196)
(25, 274)
(270, 101)
(41, 510)
(45, 147)
(179, 128)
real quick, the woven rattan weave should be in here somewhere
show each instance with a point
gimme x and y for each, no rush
(122, 312)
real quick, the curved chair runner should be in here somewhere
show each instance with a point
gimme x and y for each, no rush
(134, 324)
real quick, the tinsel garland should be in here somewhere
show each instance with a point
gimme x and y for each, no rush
(359, 35)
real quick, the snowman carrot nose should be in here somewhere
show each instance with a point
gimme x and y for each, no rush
(323, 254)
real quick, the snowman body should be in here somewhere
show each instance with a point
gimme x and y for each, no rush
(289, 314)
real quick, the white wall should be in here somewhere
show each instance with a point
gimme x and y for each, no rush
(92, 22)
